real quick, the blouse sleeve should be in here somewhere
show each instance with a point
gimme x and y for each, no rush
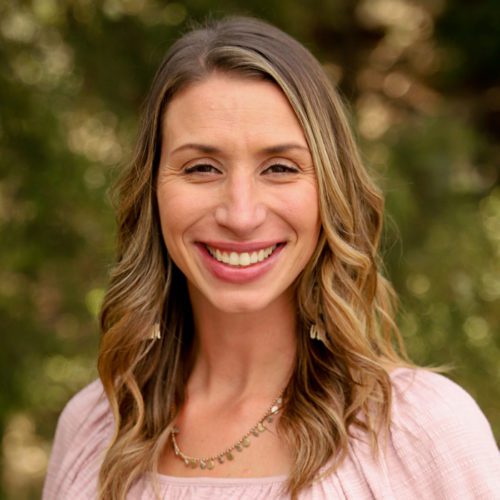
(83, 431)
(441, 444)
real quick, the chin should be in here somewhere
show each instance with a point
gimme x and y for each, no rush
(239, 308)
(234, 304)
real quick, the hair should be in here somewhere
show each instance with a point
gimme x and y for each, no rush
(337, 387)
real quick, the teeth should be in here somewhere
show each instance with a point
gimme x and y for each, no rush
(234, 259)
(244, 259)
(241, 259)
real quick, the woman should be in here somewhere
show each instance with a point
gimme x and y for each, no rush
(247, 347)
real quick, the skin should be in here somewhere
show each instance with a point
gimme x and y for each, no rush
(236, 171)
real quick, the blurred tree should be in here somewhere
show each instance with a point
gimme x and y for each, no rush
(422, 81)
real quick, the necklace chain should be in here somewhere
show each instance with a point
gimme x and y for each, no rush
(228, 453)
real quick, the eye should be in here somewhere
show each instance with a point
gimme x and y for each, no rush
(201, 168)
(281, 168)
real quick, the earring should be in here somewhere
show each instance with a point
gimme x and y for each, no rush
(155, 332)
(317, 333)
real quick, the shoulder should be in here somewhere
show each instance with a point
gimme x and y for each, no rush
(426, 398)
(82, 407)
(83, 431)
(441, 436)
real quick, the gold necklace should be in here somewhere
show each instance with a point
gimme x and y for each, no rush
(228, 454)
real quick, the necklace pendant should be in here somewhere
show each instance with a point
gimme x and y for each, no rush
(244, 442)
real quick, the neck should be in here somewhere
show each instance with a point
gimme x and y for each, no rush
(243, 355)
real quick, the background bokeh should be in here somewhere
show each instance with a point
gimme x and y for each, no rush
(421, 79)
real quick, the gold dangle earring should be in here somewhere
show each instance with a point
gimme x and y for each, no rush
(155, 332)
(317, 333)
(317, 330)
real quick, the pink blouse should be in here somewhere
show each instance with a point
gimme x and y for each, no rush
(440, 447)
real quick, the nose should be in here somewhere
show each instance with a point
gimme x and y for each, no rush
(240, 208)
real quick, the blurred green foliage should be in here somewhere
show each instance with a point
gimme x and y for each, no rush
(422, 80)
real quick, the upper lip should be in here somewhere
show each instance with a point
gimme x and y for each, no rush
(241, 246)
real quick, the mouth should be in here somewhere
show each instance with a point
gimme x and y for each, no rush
(242, 259)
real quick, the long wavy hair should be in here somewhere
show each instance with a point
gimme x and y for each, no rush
(336, 387)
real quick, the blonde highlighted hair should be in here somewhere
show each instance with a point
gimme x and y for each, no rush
(336, 387)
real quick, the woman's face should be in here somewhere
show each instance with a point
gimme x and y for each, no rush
(237, 192)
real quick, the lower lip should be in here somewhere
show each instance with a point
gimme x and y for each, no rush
(234, 274)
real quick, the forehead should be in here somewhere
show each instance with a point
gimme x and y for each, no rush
(234, 105)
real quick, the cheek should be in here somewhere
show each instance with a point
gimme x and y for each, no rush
(309, 205)
(174, 213)
(302, 210)
(182, 209)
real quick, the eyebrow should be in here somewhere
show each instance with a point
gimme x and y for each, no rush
(206, 149)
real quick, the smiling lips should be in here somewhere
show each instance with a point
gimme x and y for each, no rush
(244, 259)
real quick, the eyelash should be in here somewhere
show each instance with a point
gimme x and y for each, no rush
(275, 168)
(201, 168)
(281, 168)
